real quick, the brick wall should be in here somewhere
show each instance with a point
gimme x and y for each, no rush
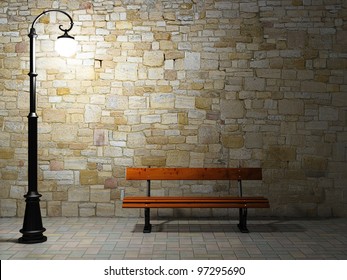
(203, 83)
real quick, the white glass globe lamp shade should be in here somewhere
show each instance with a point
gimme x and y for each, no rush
(66, 45)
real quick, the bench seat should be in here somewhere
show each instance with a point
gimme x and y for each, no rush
(195, 202)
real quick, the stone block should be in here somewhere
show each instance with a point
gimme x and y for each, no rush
(297, 39)
(173, 55)
(5, 190)
(100, 195)
(170, 118)
(155, 73)
(166, 45)
(89, 177)
(87, 210)
(6, 153)
(253, 140)
(177, 140)
(153, 161)
(213, 116)
(202, 189)
(60, 176)
(257, 84)
(170, 75)
(105, 209)
(51, 63)
(192, 61)
(75, 163)
(64, 132)
(312, 86)
(232, 141)
(209, 64)
(315, 163)
(164, 88)
(17, 192)
(328, 113)
(250, 7)
(70, 209)
(124, 25)
(100, 137)
(11, 63)
(279, 154)
(338, 99)
(150, 119)
(9, 174)
(232, 109)
(136, 140)
(162, 100)
(54, 115)
(125, 162)
(316, 125)
(203, 103)
(110, 183)
(113, 152)
(54, 209)
(137, 102)
(126, 71)
(177, 158)
(183, 118)
(169, 64)
(117, 102)
(63, 91)
(153, 58)
(157, 140)
(197, 86)
(8, 207)
(208, 135)
(269, 73)
(60, 195)
(78, 194)
(291, 107)
(92, 113)
(185, 102)
(196, 159)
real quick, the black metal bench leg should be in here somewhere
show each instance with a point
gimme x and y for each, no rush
(243, 220)
(148, 227)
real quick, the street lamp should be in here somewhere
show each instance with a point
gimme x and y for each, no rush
(32, 225)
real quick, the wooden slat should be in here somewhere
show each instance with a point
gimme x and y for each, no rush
(195, 205)
(195, 202)
(193, 173)
(190, 199)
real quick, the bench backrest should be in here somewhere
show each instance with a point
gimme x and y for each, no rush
(193, 173)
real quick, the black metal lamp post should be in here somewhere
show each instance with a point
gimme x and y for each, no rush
(32, 225)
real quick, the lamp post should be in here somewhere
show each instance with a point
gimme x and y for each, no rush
(32, 225)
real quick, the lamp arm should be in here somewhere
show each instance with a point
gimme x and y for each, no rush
(60, 26)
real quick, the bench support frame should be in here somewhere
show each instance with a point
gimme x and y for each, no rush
(148, 227)
(243, 220)
(242, 225)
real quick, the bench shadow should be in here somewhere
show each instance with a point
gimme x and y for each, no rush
(174, 226)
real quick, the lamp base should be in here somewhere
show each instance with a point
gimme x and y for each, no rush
(32, 237)
(32, 226)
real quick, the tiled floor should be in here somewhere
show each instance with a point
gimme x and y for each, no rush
(122, 238)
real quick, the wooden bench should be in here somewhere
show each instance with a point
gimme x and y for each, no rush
(239, 174)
